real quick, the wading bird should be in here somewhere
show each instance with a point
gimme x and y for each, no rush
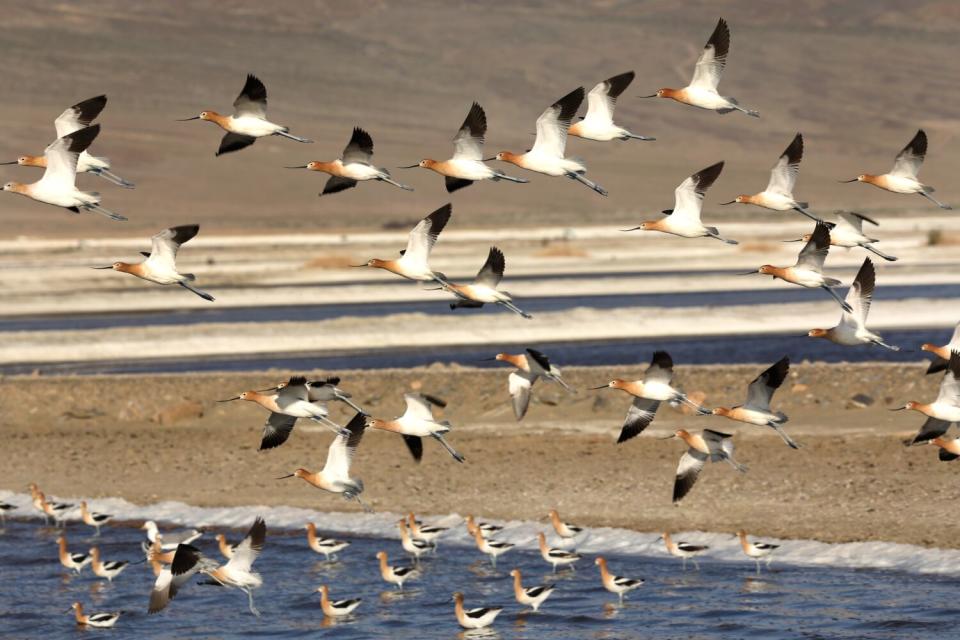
(615, 584)
(702, 90)
(557, 557)
(756, 410)
(336, 608)
(98, 620)
(108, 570)
(92, 518)
(249, 119)
(531, 597)
(474, 618)
(329, 547)
(395, 574)
(757, 551)
(683, 550)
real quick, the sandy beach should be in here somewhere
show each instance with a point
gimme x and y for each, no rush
(852, 480)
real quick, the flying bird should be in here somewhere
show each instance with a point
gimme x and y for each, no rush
(756, 409)
(530, 367)
(413, 263)
(416, 423)
(708, 445)
(483, 289)
(598, 124)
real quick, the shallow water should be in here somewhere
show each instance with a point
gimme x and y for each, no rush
(725, 599)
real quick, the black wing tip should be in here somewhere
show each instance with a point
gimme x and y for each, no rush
(455, 184)
(794, 150)
(357, 423)
(540, 357)
(720, 38)
(439, 218)
(569, 104)
(185, 557)
(90, 108)
(620, 82)
(706, 177)
(662, 358)
(82, 138)
(777, 372)
(476, 120)
(295, 381)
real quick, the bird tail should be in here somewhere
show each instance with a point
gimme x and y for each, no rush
(109, 176)
(870, 248)
(713, 232)
(104, 212)
(287, 134)
(582, 180)
(202, 294)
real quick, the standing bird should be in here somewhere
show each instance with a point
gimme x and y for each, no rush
(852, 330)
(413, 263)
(474, 618)
(335, 475)
(411, 545)
(615, 584)
(329, 547)
(530, 367)
(58, 185)
(648, 394)
(249, 119)
(486, 529)
(238, 572)
(947, 405)
(395, 574)
(757, 551)
(73, 561)
(418, 422)
(683, 550)
(598, 124)
(108, 570)
(483, 289)
(702, 90)
(701, 447)
(493, 548)
(466, 166)
(286, 406)
(557, 557)
(778, 196)
(684, 219)
(808, 271)
(92, 518)
(531, 597)
(160, 265)
(336, 608)
(425, 532)
(547, 154)
(73, 119)
(98, 620)
(848, 233)
(354, 165)
(903, 177)
(942, 353)
(756, 410)
(565, 530)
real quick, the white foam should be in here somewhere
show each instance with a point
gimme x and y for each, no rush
(723, 547)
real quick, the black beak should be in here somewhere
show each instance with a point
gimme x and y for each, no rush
(845, 181)
(229, 399)
(489, 159)
(650, 96)
(606, 386)
(672, 435)
(486, 359)
(898, 409)
(290, 475)
(299, 166)
(188, 119)
(410, 166)
(795, 240)
(359, 265)
(633, 229)
(748, 273)
(14, 162)
(109, 266)
(726, 203)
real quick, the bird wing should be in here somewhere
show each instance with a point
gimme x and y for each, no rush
(553, 123)
(415, 445)
(540, 358)
(295, 389)
(855, 220)
(252, 100)
(520, 383)
(602, 99)
(814, 253)
(417, 407)
(639, 416)
(468, 143)
(359, 149)
(907, 164)
(276, 430)
(79, 115)
(713, 59)
(954, 343)
(932, 428)
(160, 595)
(342, 449)
(688, 197)
(491, 273)
(691, 464)
(860, 295)
(245, 553)
(950, 387)
(761, 390)
(164, 245)
(62, 154)
(424, 235)
(660, 369)
(719, 443)
(783, 176)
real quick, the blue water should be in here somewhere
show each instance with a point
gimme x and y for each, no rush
(723, 600)
(688, 351)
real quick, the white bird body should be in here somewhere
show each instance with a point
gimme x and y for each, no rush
(903, 177)
(531, 597)
(474, 618)
(335, 475)
(413, 264)
(396, 575)
(852, 329)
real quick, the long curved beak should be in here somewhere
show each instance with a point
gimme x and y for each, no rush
(490, 158)
(606, 386)
(748, 273)
(845, 181)
(795, 240)
(410, 166)
(359, 265)
(229, 399)
(290, 475)
(669, 437)
(14, 162)
(188, 119)
(726, 203)
(299, 166)
(109, 266)
(632, 229)
(650, 96)
(899, 409)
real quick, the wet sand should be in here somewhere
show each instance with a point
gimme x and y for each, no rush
(852, 480)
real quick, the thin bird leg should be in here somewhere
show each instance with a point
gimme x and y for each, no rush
(807, 213)
(347, 400)
(836, 296)
(502, 176)
(114, 178)
(291, 136)
(396, 184)
(202, 294)
(450, 450)
(869, 247)
(783, 434)
(887, 346)
(339, 430)
(105, 212)
(515, 309)
(929, 197)
(253, 609)
(593, 185)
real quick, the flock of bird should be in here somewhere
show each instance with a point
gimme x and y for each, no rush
(176, 560)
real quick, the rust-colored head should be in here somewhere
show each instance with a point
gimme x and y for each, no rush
(507, 156)
(515, 573)
(16, 187)
(600, 561)
(818, 333)
(926, 346)
(683, 434)
(618, 383)
(382, 556)
(720, 411)
(910, 406)
(767, 269)
(376, 423)
(29, 161)
(376, 263)
(324, 590)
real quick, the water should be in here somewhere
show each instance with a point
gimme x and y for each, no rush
(726, 599)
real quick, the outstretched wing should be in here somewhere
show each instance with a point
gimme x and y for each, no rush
(276, 430)
(79, 115)
(342, 449)
(423, 236)
(783, 176)
(553, 123)
(660, 369)
(907, 164)
(688, 197)
(165, 245)
(602, 99)
(252, 100)
(520, 383)
(814, 253)
(359, 149)
(468, 143)
(691, 464)
(491, 273)
(62, 155)
(246, 553)
(713, 59)
(761, 390)
(641, 413)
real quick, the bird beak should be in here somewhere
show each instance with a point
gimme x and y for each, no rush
(899, 408)
(229, 399)
(845, 181)
(286, 476)
(653, 95)
(726, 203)
(659, 539)
(748, 273)
(299, 166)
(188, 119)
(359, 265)
(796, 240)
(489, 159)
(606, 386)
(672, 435)
(14, 162)
(109, 266)
(410, 166)
(486, 359)
(632, 229)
